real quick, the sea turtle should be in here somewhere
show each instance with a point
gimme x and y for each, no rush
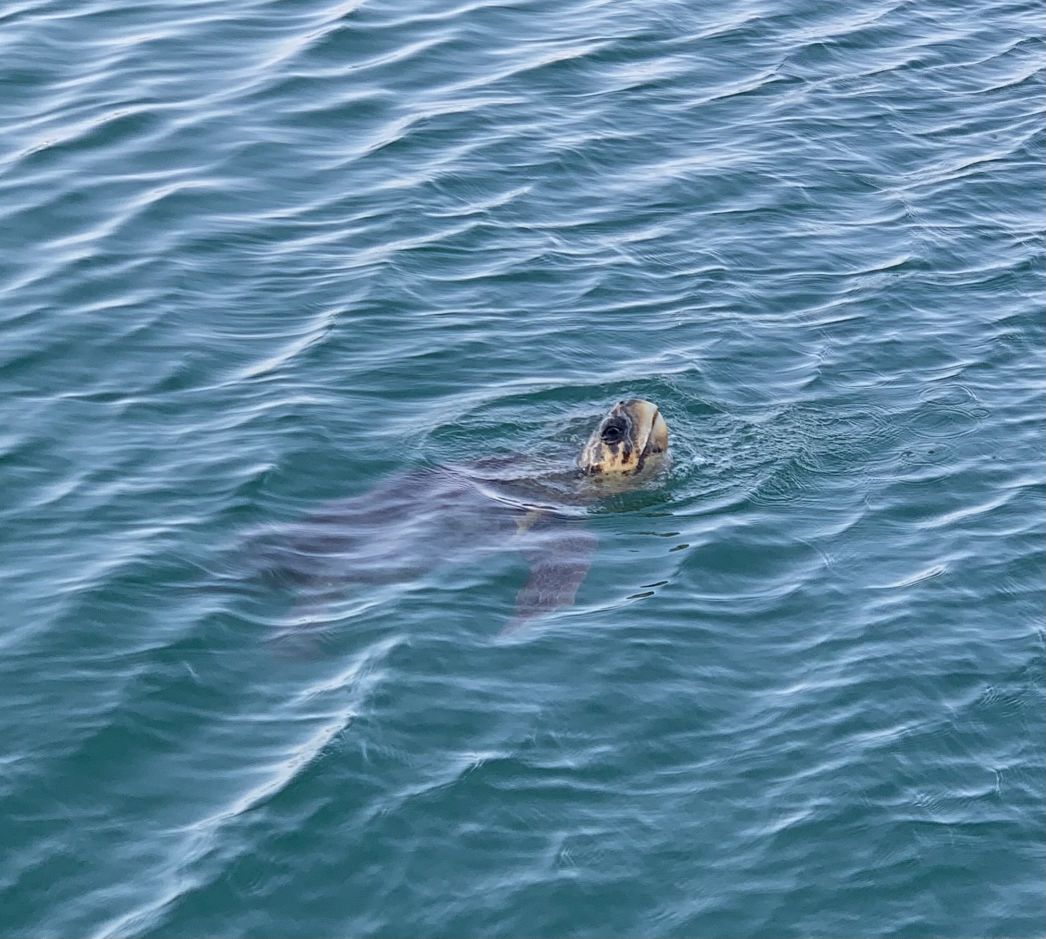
(423, 518)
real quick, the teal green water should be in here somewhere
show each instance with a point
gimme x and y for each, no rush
(257, 257)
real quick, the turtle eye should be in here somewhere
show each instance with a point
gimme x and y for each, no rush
(613, 430)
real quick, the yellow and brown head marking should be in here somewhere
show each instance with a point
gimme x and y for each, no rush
(631, 438)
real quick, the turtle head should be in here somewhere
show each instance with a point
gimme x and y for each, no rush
(631, 439)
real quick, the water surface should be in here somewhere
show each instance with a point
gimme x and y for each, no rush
(259, 256)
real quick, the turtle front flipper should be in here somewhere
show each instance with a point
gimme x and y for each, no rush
(559, 560)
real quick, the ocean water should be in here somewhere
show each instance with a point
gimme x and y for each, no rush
(269, 265)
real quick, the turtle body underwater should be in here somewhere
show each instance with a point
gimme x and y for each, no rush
(419, 520)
